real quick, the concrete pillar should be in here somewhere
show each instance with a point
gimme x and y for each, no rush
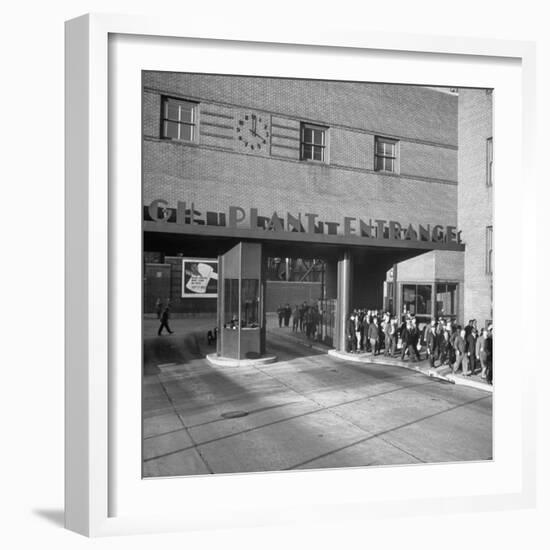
(344, 285)
(331, 279)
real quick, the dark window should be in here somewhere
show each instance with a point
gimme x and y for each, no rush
(489, 168)
(417, 300)
(231, 306)
(385, 154)
(179, 119)
(250, 303)
(489, 250)
(313, 143)
(446, 300)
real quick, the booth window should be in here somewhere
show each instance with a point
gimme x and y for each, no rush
(179, 119)
(446, 300)
(250, 303)
(231, 306)
(417, 300)
(313, 142)
(489, 167)
(385, 154)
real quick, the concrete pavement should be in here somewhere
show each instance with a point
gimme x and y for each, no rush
(308, 410)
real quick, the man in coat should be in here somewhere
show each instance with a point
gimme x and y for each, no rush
(460, 351)
(413, 338)
(164, 318)
(281, 315)
(432, 344)
(374, 335)
(488, 346)
(358, 327)
(405, 328)
(471, 350)
(351, 334)
(387, 334)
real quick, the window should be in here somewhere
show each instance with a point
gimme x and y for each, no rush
(417, 300)
(179, 119)
(385, 154)
(489, 250)
(313, 143)
(231, 306)
(489, 168)
(250, 303)
(446, 300)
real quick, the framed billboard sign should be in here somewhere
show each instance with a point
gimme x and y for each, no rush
(199, 278)
(161, 102)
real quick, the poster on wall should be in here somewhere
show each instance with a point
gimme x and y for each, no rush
(199, 278)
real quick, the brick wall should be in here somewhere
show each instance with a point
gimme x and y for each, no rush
(217, 171)
(475, 199)
(294, 293)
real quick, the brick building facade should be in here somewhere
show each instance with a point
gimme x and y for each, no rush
(475, 201)
(341, 150)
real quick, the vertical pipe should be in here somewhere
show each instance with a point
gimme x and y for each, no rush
(220, 313)
(395, 296)
(343, 299)
(433, 312)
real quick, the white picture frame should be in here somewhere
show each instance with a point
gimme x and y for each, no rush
(102, 498)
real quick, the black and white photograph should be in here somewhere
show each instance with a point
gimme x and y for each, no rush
(274, 242)
(317, 274)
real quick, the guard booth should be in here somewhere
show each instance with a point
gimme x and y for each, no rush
(241, 298)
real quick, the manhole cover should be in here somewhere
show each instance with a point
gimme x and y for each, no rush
(234, 414)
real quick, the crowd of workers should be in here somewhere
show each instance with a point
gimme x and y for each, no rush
(443, 341)
(305, 318)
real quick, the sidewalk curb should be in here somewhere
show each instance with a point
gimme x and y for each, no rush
(432, 373)
(217, 361)
(307, 344)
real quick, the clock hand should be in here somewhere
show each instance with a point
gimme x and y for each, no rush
(257, 135)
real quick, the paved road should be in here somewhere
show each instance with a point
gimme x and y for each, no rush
(308, 410)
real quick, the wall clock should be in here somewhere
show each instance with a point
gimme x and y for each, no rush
(252, 132)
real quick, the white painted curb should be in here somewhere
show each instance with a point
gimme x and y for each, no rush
(217, 361)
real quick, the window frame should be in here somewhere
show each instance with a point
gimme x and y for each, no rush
(194, 124)
(324, 147)
(422, 317)
(394, 157)
(455, 303)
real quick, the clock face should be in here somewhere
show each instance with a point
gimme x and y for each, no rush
(252, 132)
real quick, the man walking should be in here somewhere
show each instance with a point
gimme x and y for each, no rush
(489, 353)
(358, 329)
(374, 335)
(281, 315)
(405, 331)
(431, 344)
(295, 319)
(351, 334)
(164, 318)
(460, 349)
(414, 336)
(471, 349)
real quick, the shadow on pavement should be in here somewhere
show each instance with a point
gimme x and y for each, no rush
(56, 517)
(173, 348)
